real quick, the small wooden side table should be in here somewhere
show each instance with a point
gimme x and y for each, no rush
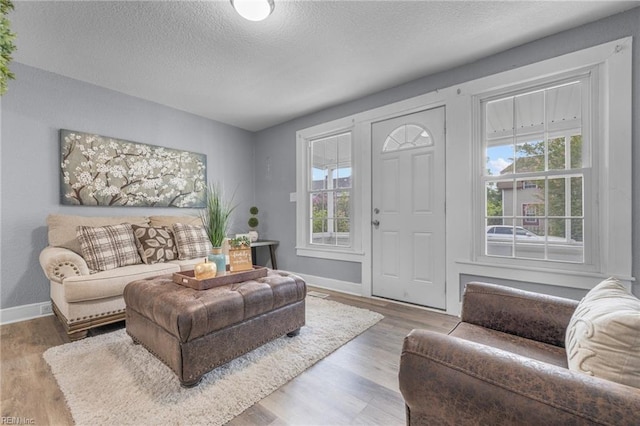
(272, 244)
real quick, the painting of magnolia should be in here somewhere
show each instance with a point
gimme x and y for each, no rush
(102, 171)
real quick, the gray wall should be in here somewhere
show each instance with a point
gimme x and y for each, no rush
(275, 149)
(35, 107)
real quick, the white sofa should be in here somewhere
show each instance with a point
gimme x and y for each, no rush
(82, 299)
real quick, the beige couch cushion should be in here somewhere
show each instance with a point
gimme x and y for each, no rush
(111, 283)
(62, 228)
(168, 221)
(189, 264)
(603, 337)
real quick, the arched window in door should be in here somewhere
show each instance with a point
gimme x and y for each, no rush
(407, 136)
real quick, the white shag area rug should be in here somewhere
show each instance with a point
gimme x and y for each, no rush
(107, 380)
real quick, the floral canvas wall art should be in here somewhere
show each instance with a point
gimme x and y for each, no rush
(102, 171)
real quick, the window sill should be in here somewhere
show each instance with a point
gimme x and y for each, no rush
(551, 276)
(332, 254)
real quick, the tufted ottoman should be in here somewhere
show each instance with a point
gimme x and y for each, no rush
(194, 331)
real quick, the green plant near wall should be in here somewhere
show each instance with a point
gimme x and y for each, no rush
(6, 45)
(217, 215)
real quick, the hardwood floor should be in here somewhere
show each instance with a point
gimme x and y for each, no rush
(355, 385)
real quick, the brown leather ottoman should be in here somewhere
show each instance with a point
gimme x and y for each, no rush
(194, 331)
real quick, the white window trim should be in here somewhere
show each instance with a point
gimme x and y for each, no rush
(303, 247)
(612, 163)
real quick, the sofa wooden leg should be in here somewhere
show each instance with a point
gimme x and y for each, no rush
(78, 335)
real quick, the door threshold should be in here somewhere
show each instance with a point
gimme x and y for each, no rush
(412, 305)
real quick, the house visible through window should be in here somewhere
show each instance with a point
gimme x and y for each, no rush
(537, 150)
(531, 212)
(329, 191)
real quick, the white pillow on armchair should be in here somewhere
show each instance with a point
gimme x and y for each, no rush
(603, 336)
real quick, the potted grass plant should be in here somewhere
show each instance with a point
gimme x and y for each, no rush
(216, 218)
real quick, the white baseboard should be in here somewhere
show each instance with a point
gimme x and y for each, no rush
(332, 284)
(25, 312)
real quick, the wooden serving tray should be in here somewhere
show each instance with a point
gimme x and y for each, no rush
(187, 278)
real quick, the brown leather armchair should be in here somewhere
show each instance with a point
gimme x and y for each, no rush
(505, 364)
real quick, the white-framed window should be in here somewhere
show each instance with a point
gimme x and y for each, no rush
(595, 168)
(326, 205)
(329, 185)
(538, 179)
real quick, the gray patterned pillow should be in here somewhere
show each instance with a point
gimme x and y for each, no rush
(192, 241)
(155, 243)
(108, 247)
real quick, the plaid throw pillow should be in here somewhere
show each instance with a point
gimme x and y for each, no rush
(192, 241)
(108, 247)
(155, 243)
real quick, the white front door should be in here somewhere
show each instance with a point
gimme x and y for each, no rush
(408, 199)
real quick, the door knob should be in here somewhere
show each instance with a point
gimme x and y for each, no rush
(376, 210)
(376, 223)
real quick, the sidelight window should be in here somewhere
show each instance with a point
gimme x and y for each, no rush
(329, 190)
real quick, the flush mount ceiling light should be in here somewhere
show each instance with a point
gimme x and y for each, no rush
(253, 10)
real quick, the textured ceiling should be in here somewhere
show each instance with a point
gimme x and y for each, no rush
(203, 58)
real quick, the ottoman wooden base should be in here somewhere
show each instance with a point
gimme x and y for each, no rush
(191, 358)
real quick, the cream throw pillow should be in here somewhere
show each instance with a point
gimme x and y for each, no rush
(603, 337)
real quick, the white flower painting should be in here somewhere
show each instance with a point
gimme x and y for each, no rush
(101, 171)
